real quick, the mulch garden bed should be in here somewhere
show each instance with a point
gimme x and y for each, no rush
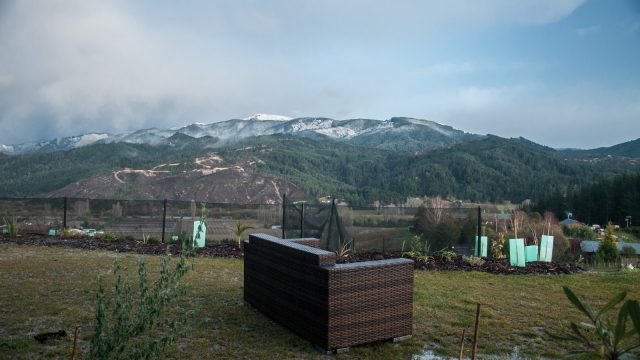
(222, 250)
(494, 266)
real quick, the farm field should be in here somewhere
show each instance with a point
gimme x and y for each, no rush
(46, 289)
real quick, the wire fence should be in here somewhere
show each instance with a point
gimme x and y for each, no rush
(379, 229)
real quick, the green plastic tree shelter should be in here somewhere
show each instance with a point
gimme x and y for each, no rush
(481, 246)
(199, 233)
(531, 253)
(516, 252)
(546, 248)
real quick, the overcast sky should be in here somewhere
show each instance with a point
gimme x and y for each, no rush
(561, 73)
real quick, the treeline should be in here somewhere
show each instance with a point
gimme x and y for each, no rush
(611, 199)
(492, 169)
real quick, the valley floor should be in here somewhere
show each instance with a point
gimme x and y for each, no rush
(49, 289)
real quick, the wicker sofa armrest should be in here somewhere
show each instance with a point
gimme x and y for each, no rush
(294, 251)
(370, 301)
(313, 242)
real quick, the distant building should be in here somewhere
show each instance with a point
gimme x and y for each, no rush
(570, 221)
(592, 246)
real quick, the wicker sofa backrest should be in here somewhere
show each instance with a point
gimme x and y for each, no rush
(295, 250)
(285, 280)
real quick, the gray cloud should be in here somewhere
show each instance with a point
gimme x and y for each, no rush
(68, 67)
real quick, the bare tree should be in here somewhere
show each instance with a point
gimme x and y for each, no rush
(116, 210)
(436, 209)
(517, 220)
(549, 219)
(535, 226)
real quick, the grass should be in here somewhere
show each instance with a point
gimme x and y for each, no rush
(49, 289)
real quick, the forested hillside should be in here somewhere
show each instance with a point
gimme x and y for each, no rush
(625, 149)
(490, 169)
(610, 199)
(38, 173)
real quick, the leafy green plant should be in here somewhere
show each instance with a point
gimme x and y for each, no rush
(109, 237)
(240, 229)
(13, 228)
(153, 240)
(446, 254)
(497, 246)
(611, 341)
(128, 322)
(419, 247)
(581, 232)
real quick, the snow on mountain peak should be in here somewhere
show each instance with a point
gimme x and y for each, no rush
(358, 131)
(6, 148)
(90, 139)
(268, 117)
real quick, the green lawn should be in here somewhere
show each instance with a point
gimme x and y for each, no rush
(49, 289)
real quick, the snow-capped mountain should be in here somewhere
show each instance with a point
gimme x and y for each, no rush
(268, 117)
(398, 133)
(57, 144)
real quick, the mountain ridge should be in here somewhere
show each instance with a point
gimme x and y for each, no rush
(259, 169)
(397, 133)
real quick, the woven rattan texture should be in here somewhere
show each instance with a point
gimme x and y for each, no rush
(333, 306)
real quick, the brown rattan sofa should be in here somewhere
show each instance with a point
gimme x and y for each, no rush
(334, 306)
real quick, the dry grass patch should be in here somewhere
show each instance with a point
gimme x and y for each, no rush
(49, 289)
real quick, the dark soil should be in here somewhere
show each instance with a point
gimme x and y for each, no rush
(494, 266)
(222, 250)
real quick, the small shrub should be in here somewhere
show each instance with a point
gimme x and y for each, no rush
(446, 255)
(473, 261)
(145, 237)
(109, 237)
(13, 228)
(128, 321)
(418, 246)
(582, 232)
(497, 246)
(153, 240)
(344, 249)
(608, 251)
(424, 259)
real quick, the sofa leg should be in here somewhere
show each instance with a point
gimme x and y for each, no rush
(402, 338)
